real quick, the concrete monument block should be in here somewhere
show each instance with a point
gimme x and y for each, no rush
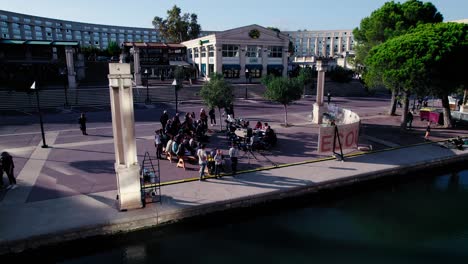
(123, 126)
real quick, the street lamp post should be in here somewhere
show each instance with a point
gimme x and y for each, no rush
(33, 87)
(148, 100)
(175, 83)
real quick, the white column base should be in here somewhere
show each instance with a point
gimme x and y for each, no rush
(317, 113)
(129, 187)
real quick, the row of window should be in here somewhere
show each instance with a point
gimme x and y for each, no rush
(254, 73)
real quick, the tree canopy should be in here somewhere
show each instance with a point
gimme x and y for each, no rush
(429, 58)
(282, 90)
(176, 27)
(389, 21)
(217, 93)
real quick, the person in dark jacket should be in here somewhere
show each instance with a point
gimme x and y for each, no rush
(8, 166)
(212, 115)
(163, 119)
(82, 122)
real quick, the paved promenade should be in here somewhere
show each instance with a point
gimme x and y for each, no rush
(68, 191)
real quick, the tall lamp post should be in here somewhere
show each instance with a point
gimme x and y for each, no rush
(175, 83)
(33, 87)
(148, 100)
(63, 73)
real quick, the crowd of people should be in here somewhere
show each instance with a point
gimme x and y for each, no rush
(186, 140)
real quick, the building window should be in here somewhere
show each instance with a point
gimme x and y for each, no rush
(189, 52)
(230, 50)
(195, 52)
(87, 28)
(104, 29)
(16, 19)
(3, 17)
(231, 73)
(276, 52)
(49, 24)
(253, 52)
(27, 20)
(210, 51)
(68, 25)
(203, 51)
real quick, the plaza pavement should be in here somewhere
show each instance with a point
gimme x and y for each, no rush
(68, 191)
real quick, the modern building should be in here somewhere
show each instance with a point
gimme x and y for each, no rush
(27, 27)
(240, 54)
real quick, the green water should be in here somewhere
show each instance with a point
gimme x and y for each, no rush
(422, 220)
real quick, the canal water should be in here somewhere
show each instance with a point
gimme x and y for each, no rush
(409, 219)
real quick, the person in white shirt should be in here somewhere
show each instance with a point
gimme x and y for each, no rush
(233, 153)
(158, 143)
(202, 159)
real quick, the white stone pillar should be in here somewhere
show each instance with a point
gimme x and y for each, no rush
(324, 47)
(308, 47)
(207, 62)
(332, 46)
(464, 107)
(348, 43)
(71, 75)
(285, 61)
(340, 44)
(319, 109)
(264, 60)
(218, 59)
(316, 49)
(242, 50)
(123, 126)
(136, 65)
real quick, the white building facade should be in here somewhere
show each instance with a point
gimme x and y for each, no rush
(240, 54)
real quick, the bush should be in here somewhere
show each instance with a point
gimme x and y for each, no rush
(340, 74)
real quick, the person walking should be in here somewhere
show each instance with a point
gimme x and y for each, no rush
(212, 115)
(428, 131)
(82, 122)
(218, 159)
(163, 119)
(233, 154)
(158, 143)
(409, 120)
(201, 153)
(8, 166)
(328, 97)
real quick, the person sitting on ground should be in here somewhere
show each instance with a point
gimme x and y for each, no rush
(458, 142)
(264, 127)
(270, 136)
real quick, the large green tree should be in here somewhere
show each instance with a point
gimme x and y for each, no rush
(306, 77)
(429, 58)
(389, 21)
(176, 27)
(284, 91)
(217, 93)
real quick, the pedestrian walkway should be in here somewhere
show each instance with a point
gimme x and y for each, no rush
(69, 190)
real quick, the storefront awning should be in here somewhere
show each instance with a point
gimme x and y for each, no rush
(254, 66)
(231, 67)
(275, 67)
(178, 63)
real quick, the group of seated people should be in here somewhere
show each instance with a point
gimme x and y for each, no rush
(183, 138)
(262, 136)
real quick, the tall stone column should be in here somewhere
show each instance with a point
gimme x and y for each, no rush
(136, 65)
(324, 47)
(123, 127)
(308, 47)
(285, 61)
(332, 46)
(319, 108)
(340, 44)
(207, 61)
(242, 50)
(264, 60)
(348, 43)
(316, 48)
(70, 67)
(218, 67)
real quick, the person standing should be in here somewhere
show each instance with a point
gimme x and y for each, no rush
(8, 166)
(428, 131)
(158, 143)
(218, 159)
(203, 117)
(212, 117)
(163, 119)
(202, 157)
(233, 153)
(82, 122)
(328, 98)
(409, 118)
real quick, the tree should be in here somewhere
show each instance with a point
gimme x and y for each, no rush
(177, 28)
(284, 91)
(306, 77)
(217, 93)
(389, 21)
(429, 58)
(113, 49)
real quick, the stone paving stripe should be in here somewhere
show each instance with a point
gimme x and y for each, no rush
(28, 175)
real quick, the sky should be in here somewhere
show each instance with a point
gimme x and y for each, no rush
(221, 14)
